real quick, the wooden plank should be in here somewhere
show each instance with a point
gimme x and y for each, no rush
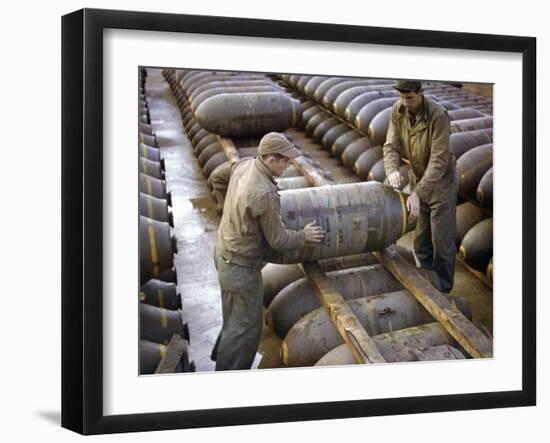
(362, 346)
(455, 323)
(229, 148)
(172, 357)
(312, 174)
(481, 276)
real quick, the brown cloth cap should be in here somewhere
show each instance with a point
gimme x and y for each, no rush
(408, 85)
(276, 143)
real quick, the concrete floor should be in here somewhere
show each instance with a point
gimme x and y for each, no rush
(196, 221)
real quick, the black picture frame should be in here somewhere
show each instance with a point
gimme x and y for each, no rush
(82, 218)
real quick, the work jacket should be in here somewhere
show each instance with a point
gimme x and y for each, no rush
(251, 217)
(425, 145)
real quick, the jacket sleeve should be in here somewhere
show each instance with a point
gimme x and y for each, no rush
(267, 208)
(219, 181)
(392, 147)
(440, 155)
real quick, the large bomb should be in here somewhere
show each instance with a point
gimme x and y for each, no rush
(234, 115)
(356, 217)
(298, 298)
(471, 167)
(315, 334)
(354, 150)
(409, 344)
(157, 249)
(484, 191)
(477, 245)
(275, 277)
(158, 324)
(160, 293)
(467, 216)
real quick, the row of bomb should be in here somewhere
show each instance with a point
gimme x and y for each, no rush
(350, 118)
(356, 218)
(163, 334)
(225, 114)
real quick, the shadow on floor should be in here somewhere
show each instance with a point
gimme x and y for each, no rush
(54, 417)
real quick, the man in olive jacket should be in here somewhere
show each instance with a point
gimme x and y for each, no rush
(251, 220)
(419, 132)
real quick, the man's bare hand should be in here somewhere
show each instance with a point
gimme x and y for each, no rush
(413, 206)
(220, 198)
(394, 179)
(314, 233)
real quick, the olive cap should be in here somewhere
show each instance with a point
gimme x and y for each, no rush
(408, 85)
(276, 143)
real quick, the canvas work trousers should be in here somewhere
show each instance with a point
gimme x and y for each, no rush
(435, 234)
(241, 293)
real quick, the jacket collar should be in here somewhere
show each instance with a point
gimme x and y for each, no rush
(263, 169)
(422, 116)
(423, 112)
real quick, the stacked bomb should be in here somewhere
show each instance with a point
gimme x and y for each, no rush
(393, 308)
(154, 198)
(191, 90)
(240, 106)
(206, 144)
(356, 217)
(474, 216)
(475, 238)
(160, 320)
(160, 304)
(157, 245)
(390, 314)
(350, 118)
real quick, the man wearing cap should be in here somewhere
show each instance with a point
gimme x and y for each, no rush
(419, 133)
(250, 222)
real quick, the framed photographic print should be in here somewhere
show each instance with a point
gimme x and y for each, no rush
(349, 317)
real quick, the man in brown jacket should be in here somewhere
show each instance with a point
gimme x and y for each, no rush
(419, 133)
(251, 221)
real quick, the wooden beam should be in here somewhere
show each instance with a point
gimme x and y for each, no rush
(229, 148)
(312, 174)
(362, 346)
(455, 323)
(174, 351)
(476, 273)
